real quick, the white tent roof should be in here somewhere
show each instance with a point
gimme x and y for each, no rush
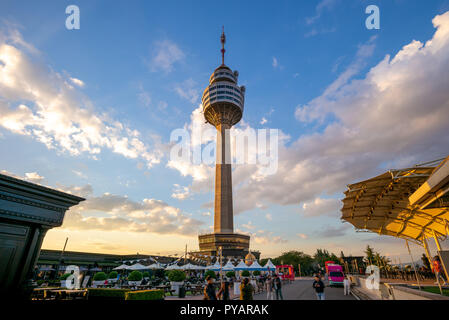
(255, 266)
(269, 265)
(214, 267)
(156, 266)
(138, 266)
(228, 266)
(190, 266)
(122, 267)
(241, 266)
(173, 267)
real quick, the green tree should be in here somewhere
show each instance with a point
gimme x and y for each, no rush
(369, 255)
(322, 255)
(295, 258)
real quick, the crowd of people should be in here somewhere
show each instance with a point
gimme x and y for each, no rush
(271, 284)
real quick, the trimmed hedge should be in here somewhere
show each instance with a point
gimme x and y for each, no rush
(145, 295)
(256, 273)
(113, 275)
(106, 293)
(146, 274)
(100, 276)
(176, 276)
(230, 274)
(245, 273)
(135, 276)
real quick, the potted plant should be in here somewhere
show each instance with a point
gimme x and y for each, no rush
(112, 276)
(210, 273)
(146, 275)
(135, 278)
(245, 273)
(176, 278)
(230, 274)
(99, 278)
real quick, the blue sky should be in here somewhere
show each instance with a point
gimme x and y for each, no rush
(141, 67)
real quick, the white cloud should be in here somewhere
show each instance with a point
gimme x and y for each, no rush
(77, 82)
(302, 236)
(275, 62)
(166, 54)
(39, 102)
(188, 90)
(319, 9)
(320, 206)
(144, 96)
(263, 121)
(180, 193)
(249, 225)
(80, 174)
(30, 176)
(333, 232)
(269, 217)
(34, 177)
(120, 213)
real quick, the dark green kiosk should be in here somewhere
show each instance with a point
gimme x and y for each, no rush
(27, 211)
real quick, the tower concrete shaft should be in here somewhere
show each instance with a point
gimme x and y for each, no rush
(223, 103)
(223, 213)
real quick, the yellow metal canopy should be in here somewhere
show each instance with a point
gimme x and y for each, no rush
(381, 205)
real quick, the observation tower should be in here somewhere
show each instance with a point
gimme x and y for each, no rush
(223, 102)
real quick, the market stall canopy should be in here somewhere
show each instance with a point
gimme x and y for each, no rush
(122, 267)
(156, 266)
(382, 205)
(241, 266)
(138, 266)
(255, 266)
(215, 267)
(173, 267)
(190, 266)
(228, 266)
(269, 266)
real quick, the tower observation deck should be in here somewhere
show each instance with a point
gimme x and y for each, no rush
(223, 103)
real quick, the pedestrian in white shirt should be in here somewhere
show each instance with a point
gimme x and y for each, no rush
(347, 286)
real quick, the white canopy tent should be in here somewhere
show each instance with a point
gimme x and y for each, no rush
(241, 266)
(269, 266)
(122, 267)
(190, 266)
(173, 267)
(228, 266)
(215, 267)
(138, 266)
(156, 266)
(255, 266)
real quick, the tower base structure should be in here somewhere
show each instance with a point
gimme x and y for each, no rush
(233, 245)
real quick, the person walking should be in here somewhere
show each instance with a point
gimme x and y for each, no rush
(269, 288)
(246, 290)
(209, 289)
(318, 285)
(437, 268)
(278, 287)
(223, 293)
(347, 286)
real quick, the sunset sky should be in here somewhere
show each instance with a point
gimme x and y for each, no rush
(90, 112)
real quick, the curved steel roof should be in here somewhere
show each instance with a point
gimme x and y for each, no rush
(381, 205)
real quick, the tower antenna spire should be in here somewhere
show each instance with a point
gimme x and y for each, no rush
(223, 41)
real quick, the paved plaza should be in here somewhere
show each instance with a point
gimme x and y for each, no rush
(302, 290)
